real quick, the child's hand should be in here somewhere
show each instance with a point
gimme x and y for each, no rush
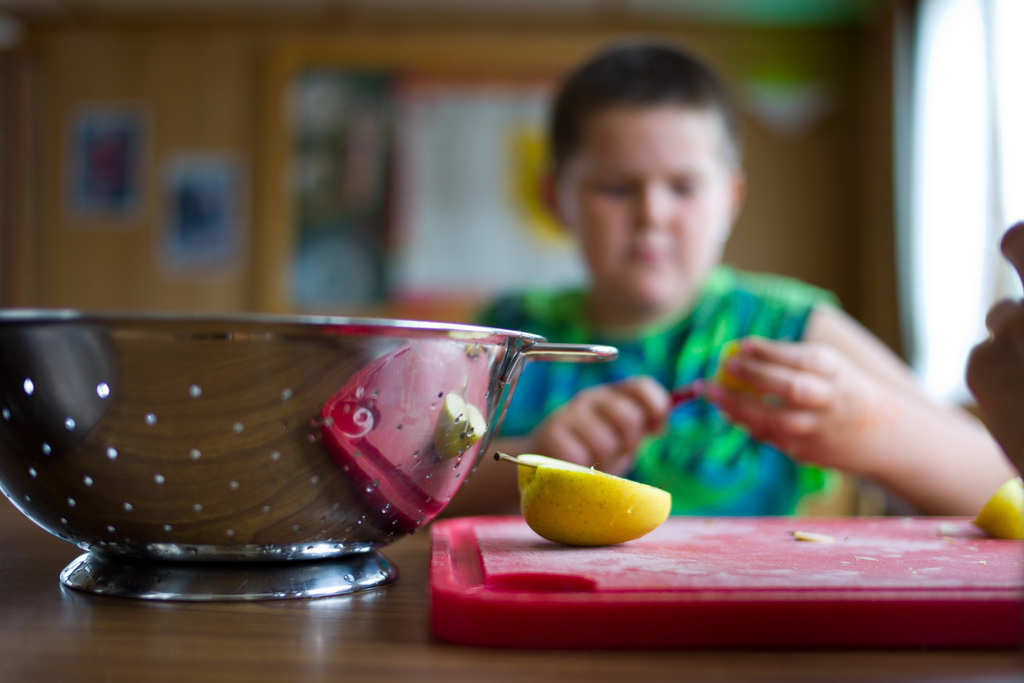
(812, 402)
(603, 425)
(995, 369)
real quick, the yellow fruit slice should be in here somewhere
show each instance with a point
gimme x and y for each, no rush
(459, 425)
(811, 537)
(722, 376)
(575, 505)
(1003, 515)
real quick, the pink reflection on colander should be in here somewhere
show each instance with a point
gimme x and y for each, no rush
(379, 428)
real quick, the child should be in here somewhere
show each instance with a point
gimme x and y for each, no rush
(646, 175)
(995, 370)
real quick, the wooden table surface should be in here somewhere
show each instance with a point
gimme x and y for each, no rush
(50, 633)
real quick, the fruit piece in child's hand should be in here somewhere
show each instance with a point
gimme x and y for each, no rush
(722, 375)
(459, 425)
(575, 505)
(1003, 515)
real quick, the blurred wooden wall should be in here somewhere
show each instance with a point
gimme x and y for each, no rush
(819, 204)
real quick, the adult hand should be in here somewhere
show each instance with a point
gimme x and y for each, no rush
(995, 368)
(602, 426)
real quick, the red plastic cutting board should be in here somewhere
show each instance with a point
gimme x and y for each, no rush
(729, 582)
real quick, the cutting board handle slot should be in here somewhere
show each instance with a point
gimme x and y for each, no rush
(540, 582)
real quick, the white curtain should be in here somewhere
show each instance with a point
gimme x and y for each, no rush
(966, 180)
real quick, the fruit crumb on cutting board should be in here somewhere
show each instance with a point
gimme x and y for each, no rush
(811, 537)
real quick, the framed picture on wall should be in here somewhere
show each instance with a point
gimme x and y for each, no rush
(392, 153)
(470, 220)
(340, 137)
(105, 161)
(202, 204)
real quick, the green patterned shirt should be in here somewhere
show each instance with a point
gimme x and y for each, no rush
(710, 466)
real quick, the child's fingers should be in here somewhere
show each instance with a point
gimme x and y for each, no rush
(797, 388)
(629, 409)
(647, 391)
(815, 358)
(568, 437)
(603, 424)
(650, 396)
(626, 416)
(597, 437)
(780, 425)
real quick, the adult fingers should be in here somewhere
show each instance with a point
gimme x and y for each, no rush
(1000, 314)
(1012, 246)
(981, 373)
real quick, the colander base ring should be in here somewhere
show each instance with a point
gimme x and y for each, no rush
(106, 574)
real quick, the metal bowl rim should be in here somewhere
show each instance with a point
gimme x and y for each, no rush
(19, 316)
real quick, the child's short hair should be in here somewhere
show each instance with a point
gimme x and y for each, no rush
(640, 74)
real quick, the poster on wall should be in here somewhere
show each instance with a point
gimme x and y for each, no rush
(105, 162)
(340, 140)
(470, 220)
(203, 201)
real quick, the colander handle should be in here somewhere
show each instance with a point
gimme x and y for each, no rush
(573, 353)
(546, 351)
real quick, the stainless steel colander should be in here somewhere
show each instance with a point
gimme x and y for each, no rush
(244, 456)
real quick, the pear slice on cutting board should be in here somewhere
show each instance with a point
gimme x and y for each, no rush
(575, 505)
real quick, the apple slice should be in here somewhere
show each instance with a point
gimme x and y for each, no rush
(722, 375)
(575, 505)
(1003, 515)
(459, 425)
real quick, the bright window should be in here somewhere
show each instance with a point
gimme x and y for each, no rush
(967, 179)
